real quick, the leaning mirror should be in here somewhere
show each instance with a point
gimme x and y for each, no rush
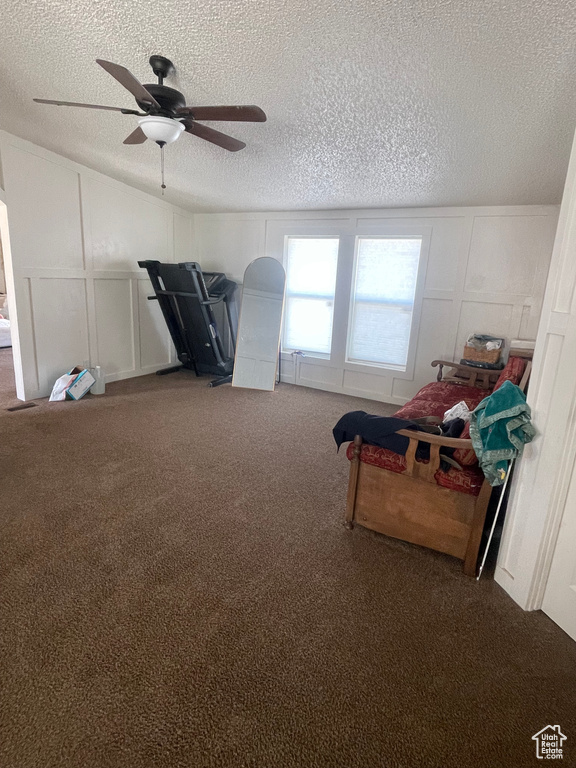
(256, 360)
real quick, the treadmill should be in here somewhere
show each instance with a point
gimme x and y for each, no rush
(191, 301)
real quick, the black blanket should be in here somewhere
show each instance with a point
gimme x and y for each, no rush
(381, 431)
(376, 430)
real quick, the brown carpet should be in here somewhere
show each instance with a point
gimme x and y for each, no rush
(178, 590)
(7, 386)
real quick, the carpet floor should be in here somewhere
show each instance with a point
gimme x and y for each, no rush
(178, 590)
(7, 385)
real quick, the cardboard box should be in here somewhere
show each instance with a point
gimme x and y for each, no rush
(73, 385)
(81, 383)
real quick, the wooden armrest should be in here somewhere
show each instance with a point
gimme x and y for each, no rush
(526, 377)
(443, 442)
(480, 377)
(428, 471)
(452, 364)
(426, 437)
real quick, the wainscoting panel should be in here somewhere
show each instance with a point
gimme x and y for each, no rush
(60, 326)
(43, 209)
(501, 320)
(234, 245)
(124, 228)
(76, 238)
(499, 245)
(485, 273)
(154, 339)
(114, 327)
(436, 313)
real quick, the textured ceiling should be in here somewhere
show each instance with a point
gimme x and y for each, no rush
(372, 103)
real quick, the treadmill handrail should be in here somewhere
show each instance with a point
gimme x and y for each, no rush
(188, 295)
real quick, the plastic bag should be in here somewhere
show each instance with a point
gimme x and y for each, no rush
(60, 387)
(482, 341)
(458, 411)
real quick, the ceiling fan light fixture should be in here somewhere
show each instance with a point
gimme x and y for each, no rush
(161, 129)
(164, 114)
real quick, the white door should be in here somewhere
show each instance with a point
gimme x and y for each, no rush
(560, 596)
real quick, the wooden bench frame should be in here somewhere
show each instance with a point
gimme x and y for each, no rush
(411, 506)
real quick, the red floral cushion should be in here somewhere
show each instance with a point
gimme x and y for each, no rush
(465, 456)
(468, 480)
(512, 371)
(417, 408)
(449, 394)
(379, 457)
(465, 480)
(435, 399)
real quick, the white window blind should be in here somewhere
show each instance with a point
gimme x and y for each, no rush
(311, 265)
(382, 301)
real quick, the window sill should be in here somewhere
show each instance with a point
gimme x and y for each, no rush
(377, 366)
(312, 356)
(406, 372)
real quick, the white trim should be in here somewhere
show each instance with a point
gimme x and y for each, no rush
(227, 242)
(26, 281)
(8, 139)
(540, 487)
(358, 215)
(384, 231)
(277, 233)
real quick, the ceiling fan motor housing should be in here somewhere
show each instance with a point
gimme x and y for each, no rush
(169, 99)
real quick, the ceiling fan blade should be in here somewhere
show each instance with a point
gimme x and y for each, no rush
(129, 82)
(86, 106)
(209, 134)
(136, 137)
(248, 113)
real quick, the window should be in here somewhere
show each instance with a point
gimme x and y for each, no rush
(311, 264)
(382, 300)
(352, 302)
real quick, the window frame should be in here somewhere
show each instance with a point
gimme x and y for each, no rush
(307, 352)
(277, 231)
(348, 230)
(372, 366)
(393, 229)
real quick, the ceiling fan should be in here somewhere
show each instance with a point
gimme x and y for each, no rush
(164, 115)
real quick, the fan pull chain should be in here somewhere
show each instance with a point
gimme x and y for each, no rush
(162, 168)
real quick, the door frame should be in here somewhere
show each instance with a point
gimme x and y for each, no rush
(540, 486)
(11, 293)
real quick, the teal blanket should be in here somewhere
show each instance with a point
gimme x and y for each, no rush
(499, 428)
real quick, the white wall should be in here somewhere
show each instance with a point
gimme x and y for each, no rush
(76, 237)
(540, 518)
(486, 272)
